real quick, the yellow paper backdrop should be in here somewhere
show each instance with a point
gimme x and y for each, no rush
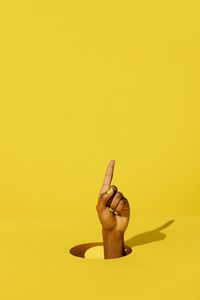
(83, 82)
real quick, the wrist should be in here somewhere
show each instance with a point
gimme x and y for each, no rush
(113, 243)
(115, 234)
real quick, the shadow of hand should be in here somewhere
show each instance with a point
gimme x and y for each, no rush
(149, 236)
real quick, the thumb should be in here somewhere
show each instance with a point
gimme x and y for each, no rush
(107, 197)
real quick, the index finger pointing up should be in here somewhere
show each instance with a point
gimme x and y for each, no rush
(108, 177)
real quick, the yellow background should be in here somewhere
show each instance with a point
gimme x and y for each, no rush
(83, 82)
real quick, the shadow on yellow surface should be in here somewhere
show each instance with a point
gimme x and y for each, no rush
(149, 236)
(137, 240)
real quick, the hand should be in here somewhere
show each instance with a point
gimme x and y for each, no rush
(113, 209)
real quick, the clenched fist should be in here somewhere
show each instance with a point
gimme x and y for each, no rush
(112, 207)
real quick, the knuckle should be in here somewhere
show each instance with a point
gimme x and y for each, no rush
(119, 194)
(121, 203)
(125, 201)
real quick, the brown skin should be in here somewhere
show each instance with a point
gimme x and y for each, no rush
(115, 222)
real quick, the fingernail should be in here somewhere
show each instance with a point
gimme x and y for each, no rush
(110, 191)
